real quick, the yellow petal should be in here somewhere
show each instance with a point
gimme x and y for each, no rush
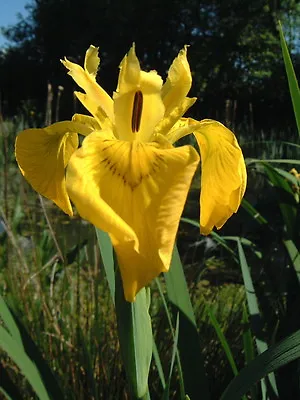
(172, 122)
(137, 102)
(86, 79)
(42, 155)
(93, 108)
(181, 128)
(90, 122)
(130, 70)
(223, 176)
(92, 60)
(135, 192)
(178, 82)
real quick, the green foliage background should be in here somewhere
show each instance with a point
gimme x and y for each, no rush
(243, 283)
(234, 52)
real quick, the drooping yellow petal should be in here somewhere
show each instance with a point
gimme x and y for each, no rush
(178, 82)
(138, 105)
(42, 155)
(223, 175)
(136, 192)
(95, 96)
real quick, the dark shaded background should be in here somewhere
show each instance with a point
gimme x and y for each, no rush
(235, 54)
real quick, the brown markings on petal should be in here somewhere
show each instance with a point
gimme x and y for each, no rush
(137, 111)
(127, 174)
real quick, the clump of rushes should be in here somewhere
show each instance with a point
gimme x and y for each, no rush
(127, 178)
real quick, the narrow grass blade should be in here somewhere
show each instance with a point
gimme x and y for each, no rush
(86, 357)
(8, 388)
(169, 318)
(24, 343)
(247, 338)
(9, 322)
(5, 394)
(166, 394)
(222, 339)
(177, 288)
(245, 242)
(275, 357)
(174, 348)
(190, 221)
(254, 312)
(27, 367)
(253, 212)
(135, 336)
(191, 357)
(294, 255)
(287, 175)
(106, 251)
(271, 142)
(291, 161)
(293, 84)
(158, 365)
(248, 346)
(291, 144)
(287, 201)
(251, 298)
(215, 235)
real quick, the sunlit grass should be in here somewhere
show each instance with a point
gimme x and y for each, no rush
(52, 276)
(65, 304)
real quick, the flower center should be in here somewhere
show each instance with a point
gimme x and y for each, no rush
(131, 162)
(137, 111)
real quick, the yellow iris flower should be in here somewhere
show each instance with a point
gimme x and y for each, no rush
(127, 178)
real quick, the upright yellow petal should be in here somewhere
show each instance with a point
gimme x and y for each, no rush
(92, 61)
(136, 192)
(86, 79)
(91, 123)
(223, 176)
(171, 123)
(178, 82)
(137, 102)
(42, 155)
(92, 107)
(129, 75)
